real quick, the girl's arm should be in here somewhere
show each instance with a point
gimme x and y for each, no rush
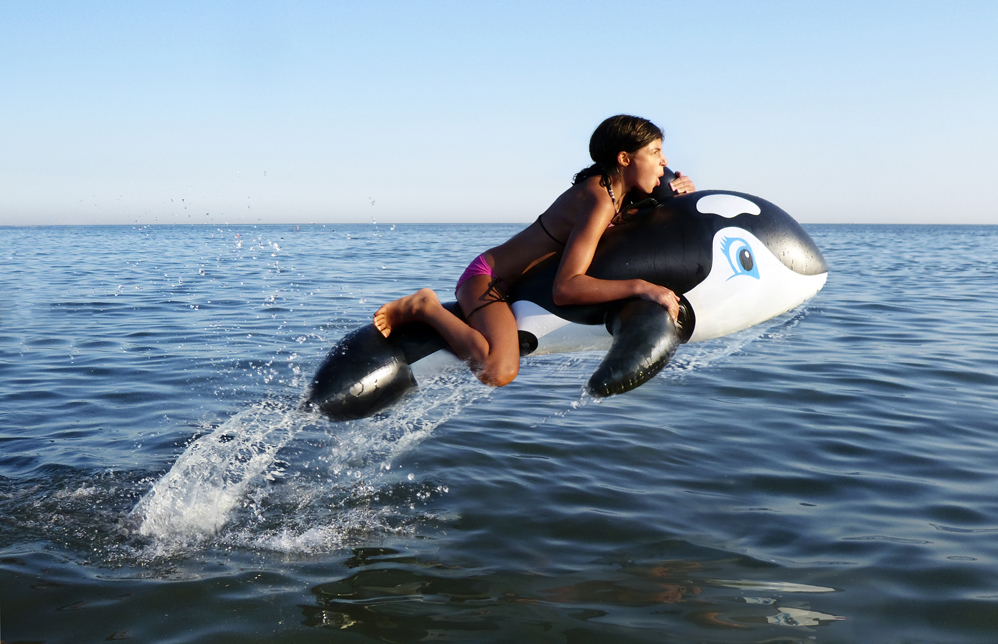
(573, 286)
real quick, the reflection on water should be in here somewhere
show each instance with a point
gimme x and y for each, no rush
(393, 598)
(800, 617)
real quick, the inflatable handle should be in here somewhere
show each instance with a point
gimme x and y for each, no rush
(663, 191)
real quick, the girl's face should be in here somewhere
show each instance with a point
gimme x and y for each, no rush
(644, 168)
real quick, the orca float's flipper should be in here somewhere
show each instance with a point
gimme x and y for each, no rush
(361, 375)
(644, 340)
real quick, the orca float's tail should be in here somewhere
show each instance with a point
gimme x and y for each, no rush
(363, 374)
(366, 372)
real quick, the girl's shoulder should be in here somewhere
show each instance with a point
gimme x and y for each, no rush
(583, 201)
(593, 183)
(593, 194)
(588, 190)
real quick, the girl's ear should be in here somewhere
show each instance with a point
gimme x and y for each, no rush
(623, 159)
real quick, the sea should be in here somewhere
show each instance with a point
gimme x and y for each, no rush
(826, 476)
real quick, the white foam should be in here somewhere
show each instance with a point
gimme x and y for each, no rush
(213, 474)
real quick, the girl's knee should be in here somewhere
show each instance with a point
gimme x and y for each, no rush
(499, 373)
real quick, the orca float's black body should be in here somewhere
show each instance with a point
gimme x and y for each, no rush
(735, 259)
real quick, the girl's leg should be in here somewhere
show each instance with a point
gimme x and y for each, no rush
(423, 306)
(489, 342)
(497, 326)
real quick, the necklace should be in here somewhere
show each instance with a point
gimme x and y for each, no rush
(605, 180)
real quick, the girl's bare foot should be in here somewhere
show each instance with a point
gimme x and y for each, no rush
(411, 308)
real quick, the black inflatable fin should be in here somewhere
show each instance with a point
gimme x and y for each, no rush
(644, 340)
(361, 375)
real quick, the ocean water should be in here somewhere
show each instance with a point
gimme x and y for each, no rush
(827, 476)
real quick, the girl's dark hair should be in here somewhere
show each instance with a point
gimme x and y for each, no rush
(621, 133)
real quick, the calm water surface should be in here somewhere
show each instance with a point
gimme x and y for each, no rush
(827, 476)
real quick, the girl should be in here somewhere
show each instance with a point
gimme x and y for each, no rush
(627, 155)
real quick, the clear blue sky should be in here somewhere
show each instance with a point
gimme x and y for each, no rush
(265, 112)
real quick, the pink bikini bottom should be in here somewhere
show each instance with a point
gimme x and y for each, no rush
(496, 291)
(478, 266)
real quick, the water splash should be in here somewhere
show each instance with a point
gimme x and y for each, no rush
(274, 477)
(213, 474)
(345, 481)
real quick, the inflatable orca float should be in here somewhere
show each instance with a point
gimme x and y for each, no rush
(734, 259)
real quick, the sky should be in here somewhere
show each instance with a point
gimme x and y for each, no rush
(407, 111)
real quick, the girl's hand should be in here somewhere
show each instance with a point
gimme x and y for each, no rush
(682, 184)
(662, 296)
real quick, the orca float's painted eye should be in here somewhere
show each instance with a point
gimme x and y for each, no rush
(739, 255)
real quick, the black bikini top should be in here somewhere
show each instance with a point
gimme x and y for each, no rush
(548, 232)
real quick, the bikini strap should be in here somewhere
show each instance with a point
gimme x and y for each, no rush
(495, 293)
(548, 232)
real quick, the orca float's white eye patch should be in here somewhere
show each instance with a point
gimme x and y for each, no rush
(727, 206)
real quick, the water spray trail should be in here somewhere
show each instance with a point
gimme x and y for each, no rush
(213, 474)
(322, 476)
